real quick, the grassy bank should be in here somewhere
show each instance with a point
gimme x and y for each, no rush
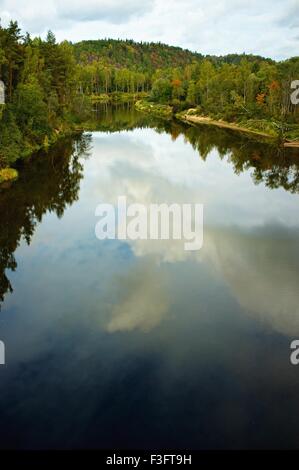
(162, 111)
(258, 128)
(118, 97)
(204, 120)
(289, 134)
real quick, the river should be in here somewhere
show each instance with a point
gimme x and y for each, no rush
(141, 344)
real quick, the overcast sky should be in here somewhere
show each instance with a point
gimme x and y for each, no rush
(266, 27)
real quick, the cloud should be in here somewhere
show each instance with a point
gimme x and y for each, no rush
(144, 299)
(53, 14)
(261, 274)
(291, 16)
(265, 27)
(259, 269)
(113, 11)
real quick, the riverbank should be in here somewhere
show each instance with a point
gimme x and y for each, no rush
(162, 111)
(291, 144)
(118, 97)
(188, 116)
(263, 129)
(204, 120)
(271, 130)
(9, 174)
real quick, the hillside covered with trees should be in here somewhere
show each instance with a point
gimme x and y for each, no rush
(141, 56)
(247, 89)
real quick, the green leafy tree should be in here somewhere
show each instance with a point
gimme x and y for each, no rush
(161, 90)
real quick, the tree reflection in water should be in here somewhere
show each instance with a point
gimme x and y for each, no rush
(48, 183)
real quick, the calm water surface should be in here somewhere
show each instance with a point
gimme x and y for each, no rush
(114, 344)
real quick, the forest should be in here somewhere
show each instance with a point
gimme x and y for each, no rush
(50, 87)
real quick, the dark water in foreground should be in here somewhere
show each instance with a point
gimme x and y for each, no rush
(141, 344)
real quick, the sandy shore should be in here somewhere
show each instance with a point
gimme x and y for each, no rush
(224, 124)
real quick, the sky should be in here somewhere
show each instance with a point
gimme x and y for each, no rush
(266, 27)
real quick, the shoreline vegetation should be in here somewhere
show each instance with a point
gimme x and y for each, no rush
(250, 127)
(51, 88)
(162, 111)
(191, 117)
(7, 175)
(118, 97)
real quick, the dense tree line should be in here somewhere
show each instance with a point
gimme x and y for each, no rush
(250, 90)
(40, 88)
(141, 56)
(96, 78)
